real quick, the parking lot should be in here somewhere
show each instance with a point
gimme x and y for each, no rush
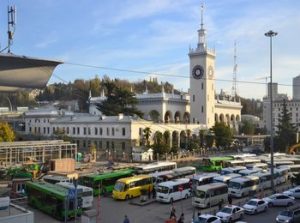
(114, 211)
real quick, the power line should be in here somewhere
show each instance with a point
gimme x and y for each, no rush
(167, 74)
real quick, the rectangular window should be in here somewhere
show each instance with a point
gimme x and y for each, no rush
(96, 131)
(112, 145)
(89, 130)
(107, 131)
(48, 130)
(74, 130)
(202, 109)
(68, 130)
(78, 131)
(202, 86)
(107, 145)
(84, 131)
(100, 130)
(112, 131)
(193, 98)
(30, 129)
(53, 129)
(100, 144)
(123, 131)
(44, 130)
(84, 143)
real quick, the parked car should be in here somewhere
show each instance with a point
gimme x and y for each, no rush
(207, 218)
(255, 206)
(293, 192)
(230, 213)
(291, 215)
(279, 200)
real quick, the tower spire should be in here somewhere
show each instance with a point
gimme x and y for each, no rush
(202, 33)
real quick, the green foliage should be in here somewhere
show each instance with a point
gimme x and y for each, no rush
(209, 138)
(247, 127)
(223, 134)
(286, 131)
(6, 133)
(146, 134)
(251, 107)
(119, 100)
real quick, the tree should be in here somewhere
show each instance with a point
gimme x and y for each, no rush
(6, 132)
(146, 134)
(223, 134)
(286, 131)
(167, 142)
(247, 127)
(118, 101)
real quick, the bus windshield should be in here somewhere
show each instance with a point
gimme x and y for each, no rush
(162, 189)
(200, 194)
(120, 186)
(234, 185)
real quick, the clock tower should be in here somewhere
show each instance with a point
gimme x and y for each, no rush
(202, 84)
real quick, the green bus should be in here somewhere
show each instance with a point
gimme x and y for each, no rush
(104, 183)
(52, 199)
(211, 164)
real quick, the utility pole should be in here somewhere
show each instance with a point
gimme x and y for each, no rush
(11, 26)
(271, 34)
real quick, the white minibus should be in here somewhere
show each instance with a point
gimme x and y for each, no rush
(210, 194)
(257, 165)
(225, 178)
(265, 180)
(173, 190)
(282, 174)
(157, 176)
(241, 186)
(250, 172)
(53, 179)
(86, 193)
(230, 170)
(152, 167)
(205, 178)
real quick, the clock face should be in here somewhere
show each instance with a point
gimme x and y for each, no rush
(210, 72)
(198, 72)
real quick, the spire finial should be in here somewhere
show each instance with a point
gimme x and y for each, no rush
(202, 9)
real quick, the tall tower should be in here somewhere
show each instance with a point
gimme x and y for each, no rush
(202, 84)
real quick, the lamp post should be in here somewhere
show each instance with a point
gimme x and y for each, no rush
(271, 34)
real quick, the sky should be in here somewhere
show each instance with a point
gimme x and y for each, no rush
(155, 36)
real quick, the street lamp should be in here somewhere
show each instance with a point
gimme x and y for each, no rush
(271, 34)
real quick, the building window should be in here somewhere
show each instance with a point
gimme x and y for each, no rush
(68, 130)
(107, 131)
(84, 131)
(100, 144)
(53, 130)
(100, 130)
(107, 145)
(48, 130)
(112, 145)
(193, 120)
(123, 131)
(30, 129)
(123, 146)
(96, 131)
(112, 131)
(39, 129)
(202, 108)
(44, 130)
(78, 131)
(83, 143)
(193, 97)
(89, 130)
(202, 85)
(74, 131)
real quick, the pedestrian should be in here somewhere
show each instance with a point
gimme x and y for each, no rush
(153, 193)
(220, 205)
(126, 219)
(181, 219)
(149, 193)
(173, 212)
(199, 214)
(229, 199)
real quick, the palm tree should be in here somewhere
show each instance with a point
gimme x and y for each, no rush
(147, 133)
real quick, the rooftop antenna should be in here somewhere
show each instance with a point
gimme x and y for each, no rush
(234, 94)
(11, 28)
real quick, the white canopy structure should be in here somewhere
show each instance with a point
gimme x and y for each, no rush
(21, 72)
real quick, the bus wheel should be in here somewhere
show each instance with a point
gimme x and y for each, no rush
(127, 197)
